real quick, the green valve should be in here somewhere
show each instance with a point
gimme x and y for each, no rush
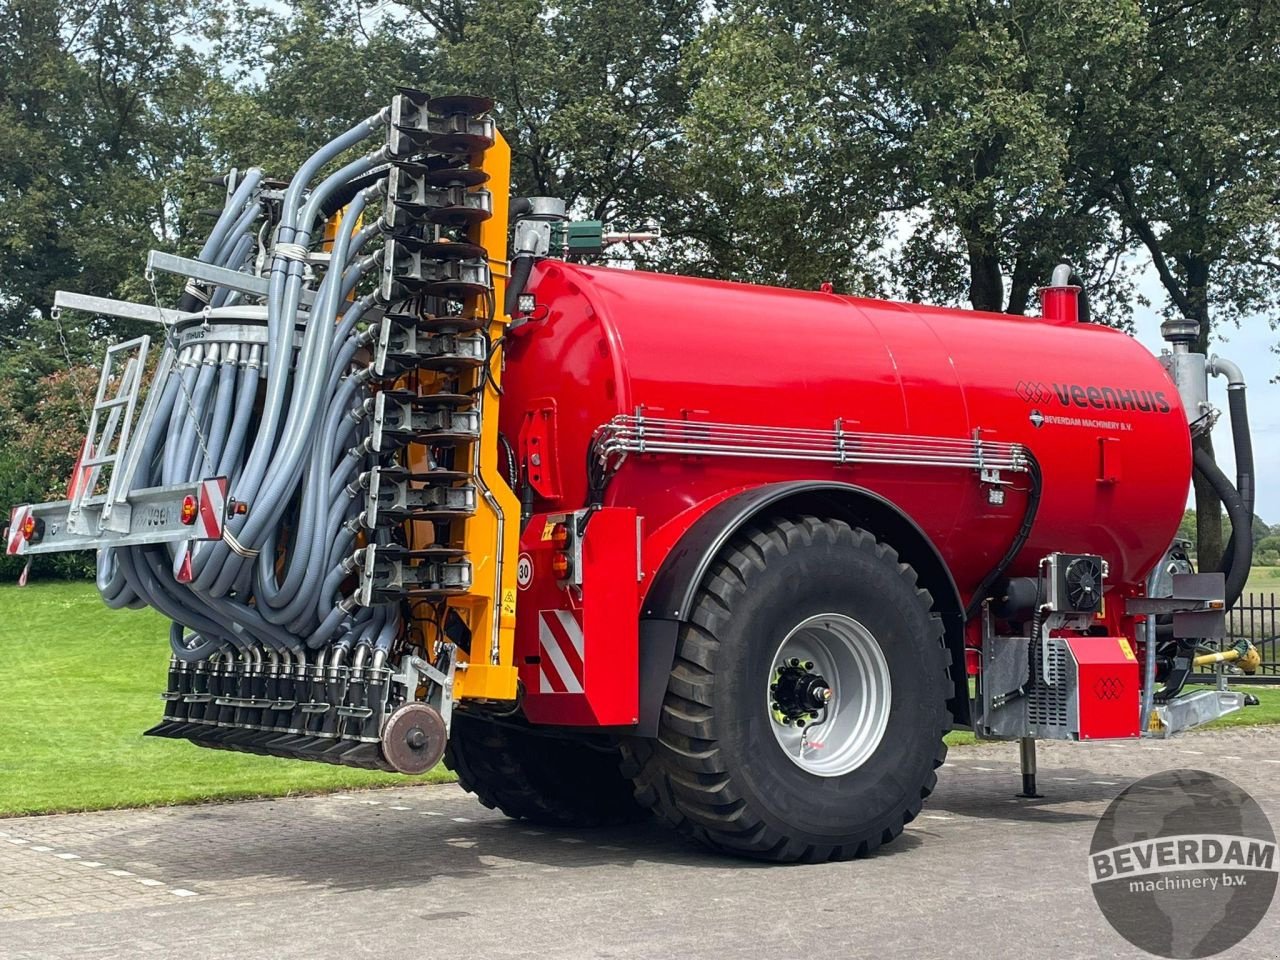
(577, 236)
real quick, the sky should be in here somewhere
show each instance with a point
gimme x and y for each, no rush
(1251, 347)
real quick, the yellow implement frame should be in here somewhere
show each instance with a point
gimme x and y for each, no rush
(490, 537)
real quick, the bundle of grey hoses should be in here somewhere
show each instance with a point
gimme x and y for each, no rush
(285, 426)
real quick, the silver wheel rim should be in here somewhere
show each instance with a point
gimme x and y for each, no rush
(846, 655)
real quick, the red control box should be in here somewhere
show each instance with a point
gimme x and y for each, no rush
(1107, 688)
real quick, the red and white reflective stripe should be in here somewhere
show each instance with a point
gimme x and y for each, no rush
(213, 507)
(17, 517)
(182, 563)
(560, 637)
(79, 474)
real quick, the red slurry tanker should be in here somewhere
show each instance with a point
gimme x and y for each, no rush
(609, 541)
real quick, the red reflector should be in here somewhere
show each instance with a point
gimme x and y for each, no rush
(971, 661)
(28, 528)
(189, 509)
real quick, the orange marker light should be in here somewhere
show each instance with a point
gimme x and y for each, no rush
(560, 564)
(28, 528)
(189, 510)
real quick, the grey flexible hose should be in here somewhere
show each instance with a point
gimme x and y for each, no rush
(282, 301)
(285, 422)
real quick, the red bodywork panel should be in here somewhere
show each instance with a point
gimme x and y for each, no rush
(577, 647)
(1107, 689)
(1096, 408)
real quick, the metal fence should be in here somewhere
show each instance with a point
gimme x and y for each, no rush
(1257, 616)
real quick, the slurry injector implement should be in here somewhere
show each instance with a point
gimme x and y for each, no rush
(608, 541)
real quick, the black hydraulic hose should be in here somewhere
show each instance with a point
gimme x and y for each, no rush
(1083, 313)
(1235, 565)
(1242, 442)
(520, 207)
(521, 268)
(347, 192)
(1019, 541)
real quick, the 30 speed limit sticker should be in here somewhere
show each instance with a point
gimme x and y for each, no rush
(524, 571)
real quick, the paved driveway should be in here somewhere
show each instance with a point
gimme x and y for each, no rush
(428, 872)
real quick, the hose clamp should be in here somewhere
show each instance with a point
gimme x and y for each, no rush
(291, 251)
(197, 291)
(236, 546)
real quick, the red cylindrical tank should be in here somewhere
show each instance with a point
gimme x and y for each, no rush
(1096, 409)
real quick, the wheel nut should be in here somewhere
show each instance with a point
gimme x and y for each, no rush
(795, 661)
(808, 664)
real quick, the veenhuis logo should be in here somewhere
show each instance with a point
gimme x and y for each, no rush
(1094, 397)
(1183, 864)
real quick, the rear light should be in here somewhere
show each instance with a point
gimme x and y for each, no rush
(189, 509)
(560, 535)
(32, 529)
(561, 564)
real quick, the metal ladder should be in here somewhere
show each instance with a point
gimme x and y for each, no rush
(106, 450)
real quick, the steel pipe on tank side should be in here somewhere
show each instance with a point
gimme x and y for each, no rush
(1151, 634)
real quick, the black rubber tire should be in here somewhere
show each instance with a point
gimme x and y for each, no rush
(716, 771)
(552, 781)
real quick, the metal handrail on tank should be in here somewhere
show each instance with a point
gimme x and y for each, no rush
(635, 433)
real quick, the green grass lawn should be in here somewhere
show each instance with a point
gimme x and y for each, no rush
(78, 685)
(1263, 580)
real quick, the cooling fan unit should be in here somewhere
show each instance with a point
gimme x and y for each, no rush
(1075, 582)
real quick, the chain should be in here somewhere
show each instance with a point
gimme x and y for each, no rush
(172, 344)
(55, 315)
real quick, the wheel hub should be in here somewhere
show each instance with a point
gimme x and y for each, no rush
(799, 695)
(829, 694)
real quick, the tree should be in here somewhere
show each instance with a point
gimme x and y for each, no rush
(99, 103)
(771, 193)
(41, 430)
(961, 125)
(1192, 164)
(1187, 528)
(590, 98)
(294, 75)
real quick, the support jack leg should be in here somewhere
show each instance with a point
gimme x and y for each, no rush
(1027, 755)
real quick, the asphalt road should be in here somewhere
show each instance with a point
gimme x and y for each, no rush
(428, 872)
